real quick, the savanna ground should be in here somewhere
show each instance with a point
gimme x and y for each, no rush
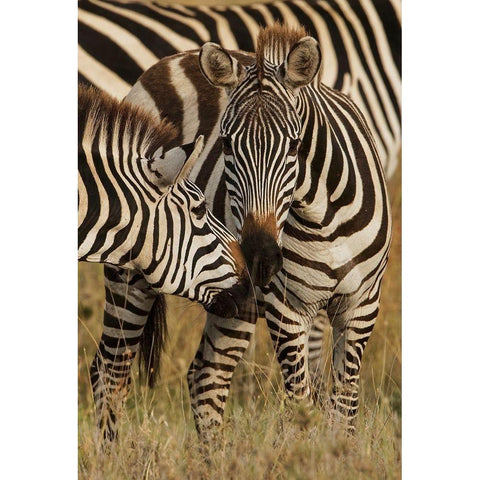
(264, 436)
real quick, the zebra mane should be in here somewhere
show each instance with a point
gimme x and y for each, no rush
(274, 43)
(100, 111)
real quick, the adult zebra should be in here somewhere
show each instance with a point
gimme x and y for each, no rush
(285, 136)
(360, 41)
(137, 210)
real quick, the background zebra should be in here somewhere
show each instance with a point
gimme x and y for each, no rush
(135, 213)
(337, 232)
(360, 42)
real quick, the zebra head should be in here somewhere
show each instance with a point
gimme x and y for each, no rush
(261, 131)
(198, 257)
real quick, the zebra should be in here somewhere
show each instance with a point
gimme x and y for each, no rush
(305, 187)
(137, 210)
(360, 42)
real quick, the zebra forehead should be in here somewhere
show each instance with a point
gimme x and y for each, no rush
(274, 43)
(261, 113)
(191, 188)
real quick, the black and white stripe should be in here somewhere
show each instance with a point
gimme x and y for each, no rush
(360, 41)
(160, 233)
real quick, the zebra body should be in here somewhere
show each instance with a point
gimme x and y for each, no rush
(335, 237)
(360, 41)
(160, 233)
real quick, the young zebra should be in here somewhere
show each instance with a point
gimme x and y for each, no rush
(286, 137)
(138, 211)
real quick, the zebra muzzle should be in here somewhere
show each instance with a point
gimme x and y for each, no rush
(228, 302)
(263, 256)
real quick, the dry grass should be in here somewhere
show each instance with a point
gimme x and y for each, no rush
(263, 436)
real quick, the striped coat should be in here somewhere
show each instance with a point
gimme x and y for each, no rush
(360, 41)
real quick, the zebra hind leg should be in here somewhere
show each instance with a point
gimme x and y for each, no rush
(316, 351)
(128, 304)
(110, 379)
(349, 340)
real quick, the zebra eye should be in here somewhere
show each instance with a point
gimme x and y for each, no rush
(293, 149)
(227, 146)
(200, 210)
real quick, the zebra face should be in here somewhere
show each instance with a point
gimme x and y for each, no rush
(260, 143)
(261, 131)
(194, 255)
(207, 265)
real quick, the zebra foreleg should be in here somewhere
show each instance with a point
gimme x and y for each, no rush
(223, 344)
(351, 332)
(127, 306)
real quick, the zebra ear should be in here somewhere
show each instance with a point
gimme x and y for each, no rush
(219, 67)
(195, 149)
(168, 166)
(302, 63)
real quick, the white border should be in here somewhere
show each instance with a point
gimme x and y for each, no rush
(38, 403)
(440, 240)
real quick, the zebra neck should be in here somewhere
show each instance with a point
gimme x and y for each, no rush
(116, 205)
(117, 234)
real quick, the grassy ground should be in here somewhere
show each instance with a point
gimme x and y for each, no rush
(263, 437)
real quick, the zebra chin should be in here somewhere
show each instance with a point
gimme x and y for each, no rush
(228, 303)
